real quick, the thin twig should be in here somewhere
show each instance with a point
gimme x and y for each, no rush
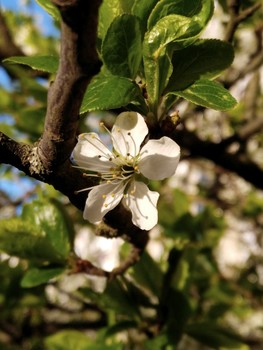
(237, 17)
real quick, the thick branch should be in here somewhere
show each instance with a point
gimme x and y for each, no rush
(24, 157)
(78, 63)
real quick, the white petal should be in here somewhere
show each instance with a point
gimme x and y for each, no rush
(101, 200)
(142, 203)
(128, 133)
(159, 158)
(90, 153)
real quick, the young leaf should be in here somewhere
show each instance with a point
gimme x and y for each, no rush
(51, 220)
(157, 65)
(109, 92)
(47, 64)
(22, 239)
(205, 59)
(142, 9)
(122, 46)
(109, 10)
(209, 94)
(205, 13)
(49, 8)
(187, 8)
(34, 277)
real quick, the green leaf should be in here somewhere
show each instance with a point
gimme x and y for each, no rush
(210, 334)
(109, 10)
(51, 219)
(205, 14)
(187, 8)
(157, 64)
(50, 8)
(178, 311)
(148, 274)
(34, 277)
(122, 46)
(142, 9)
(23, 239)
(209, 94)
(115, 297)
(170, 29)
(205, 59)
(43, 63)
(110, 92)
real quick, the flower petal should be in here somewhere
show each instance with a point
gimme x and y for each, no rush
(101, 200)
(90, 153)
(159, 158)
(142, 203)
(128, 133)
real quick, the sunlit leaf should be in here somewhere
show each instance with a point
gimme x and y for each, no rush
(109, 92)
(47, 64)
(52, 221)
(24, 240)
(50, 8)
(205, 59)
(209, 94)
(187, 8)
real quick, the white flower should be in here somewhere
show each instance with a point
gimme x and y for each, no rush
(123, 169)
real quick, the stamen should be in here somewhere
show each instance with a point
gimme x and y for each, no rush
(125, 142)
(85, 189)
(134, 144)
(101, 150)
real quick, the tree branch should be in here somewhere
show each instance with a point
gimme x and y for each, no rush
(78, 63)
(217, 153)
(237, 17)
